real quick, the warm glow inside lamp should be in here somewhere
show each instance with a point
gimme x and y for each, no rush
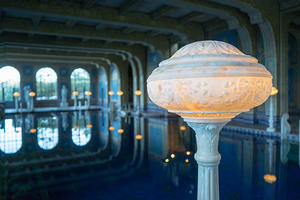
(110, 93)
(111, 128)
(75, 93)
(208, 83)
(121, 131)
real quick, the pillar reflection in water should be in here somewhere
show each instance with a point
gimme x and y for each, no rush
(47, 132)
(81, 132)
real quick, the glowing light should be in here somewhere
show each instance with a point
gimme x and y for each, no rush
(32, 94)
(111, 93)
(111, 128)
(89, 126)
(138, 92)
(88, 93)
(75, 93)
(16, 94)
(172, 155)
(188, 153)
(167, 160)
(121, 131)
(120, 93)
(182, 128)
(270, 178)
(76, 126)
(33, 130)
(274, 91)
(138, 137)
(187, 160)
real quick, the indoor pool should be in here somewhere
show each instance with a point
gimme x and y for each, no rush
(98, 155)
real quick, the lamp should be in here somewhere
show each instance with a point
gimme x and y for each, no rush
(31, 94)
(88, 102)
(75, 93)
(208, 83)
(120, 93)
(16, 94)
(138, 93)
(111, 93)
(16, 99)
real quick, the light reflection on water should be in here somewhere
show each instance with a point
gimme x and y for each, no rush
(76, 156)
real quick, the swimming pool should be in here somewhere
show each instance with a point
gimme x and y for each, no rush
(98, 155)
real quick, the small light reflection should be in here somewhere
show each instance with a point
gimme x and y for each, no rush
(270, 178)
(76, 127)
(89, 126)
(33, 130)
(187, 160)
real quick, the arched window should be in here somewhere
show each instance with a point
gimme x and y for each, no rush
(80, 82)
(9, 82)
(47, 135)
(46, 84)
(81, 129)
(10, 137)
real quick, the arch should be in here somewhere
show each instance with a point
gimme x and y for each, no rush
(10, 137)
(80, 82)
(103, 86)
(47, 132)
(46, 84)
(9, 82)
(115, 83)
(81, 132)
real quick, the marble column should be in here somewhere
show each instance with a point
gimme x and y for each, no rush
(208, 158)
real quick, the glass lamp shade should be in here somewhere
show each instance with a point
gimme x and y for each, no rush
(209, 81)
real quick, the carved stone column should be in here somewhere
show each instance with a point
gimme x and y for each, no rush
(208, 158)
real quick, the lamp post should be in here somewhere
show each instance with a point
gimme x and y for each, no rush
(271, 113)
(120, 93)
(208, 83)
(31, 95)
(110, 93)
(88, 102)
(16, 97)
(75, 93)
(138, 93)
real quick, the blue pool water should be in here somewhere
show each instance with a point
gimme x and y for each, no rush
(96, 155)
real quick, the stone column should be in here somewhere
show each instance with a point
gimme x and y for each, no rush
(208, 158)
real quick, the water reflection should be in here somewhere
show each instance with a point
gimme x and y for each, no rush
(47, 132)
(11, 136)
(81, 129)
(160, 163)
